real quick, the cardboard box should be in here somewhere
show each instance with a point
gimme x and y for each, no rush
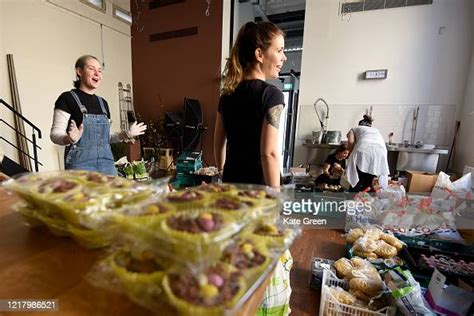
(421, 181)
(447, 299)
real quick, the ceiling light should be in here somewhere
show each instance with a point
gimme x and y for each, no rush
(293, 49)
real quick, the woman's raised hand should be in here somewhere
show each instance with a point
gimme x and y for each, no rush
(136, 129)
(74, 132)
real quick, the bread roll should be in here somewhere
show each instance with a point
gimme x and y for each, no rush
(369, 287)
(366, 245)
(385, 250)
(373, 233)
(365, 254)
(353, 235)
(392, 240)
(360, 295)
(343, 266)
(342, 296)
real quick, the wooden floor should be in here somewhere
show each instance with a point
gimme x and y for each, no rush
(35, 265)
(312, 243)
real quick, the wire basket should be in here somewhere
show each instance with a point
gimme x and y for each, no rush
(330, 306)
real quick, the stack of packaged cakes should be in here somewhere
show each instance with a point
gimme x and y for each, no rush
(78, 203)
(204, 250)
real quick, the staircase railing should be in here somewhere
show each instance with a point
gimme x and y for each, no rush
(36, 131)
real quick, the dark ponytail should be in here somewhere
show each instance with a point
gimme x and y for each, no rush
(242, 55)
(366, 121)
(80, 63)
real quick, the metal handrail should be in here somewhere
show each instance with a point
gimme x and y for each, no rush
(13, 145)
(33, 126)
(13, 128)
(22, 117)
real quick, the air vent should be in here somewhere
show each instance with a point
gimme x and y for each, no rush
(395, 3)
(173, 34)
(368, 5)
(352, 7)
(162, 3)
(373, 5)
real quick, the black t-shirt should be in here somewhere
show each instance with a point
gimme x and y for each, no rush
(243, 112)
(67, 103)
(331, 160)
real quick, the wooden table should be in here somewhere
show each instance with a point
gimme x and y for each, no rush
(36, 265)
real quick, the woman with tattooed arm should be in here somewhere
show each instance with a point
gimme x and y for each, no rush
(247, 122)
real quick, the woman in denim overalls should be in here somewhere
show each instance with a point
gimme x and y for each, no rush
(87, 145)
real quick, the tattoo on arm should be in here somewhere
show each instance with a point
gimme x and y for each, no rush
(273, 115)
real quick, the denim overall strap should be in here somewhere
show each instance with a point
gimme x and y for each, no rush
(92, 151)
(102, 107)
(81, 106)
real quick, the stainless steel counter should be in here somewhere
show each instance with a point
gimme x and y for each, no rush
(436, 150)
(325, 146)
(400, 158)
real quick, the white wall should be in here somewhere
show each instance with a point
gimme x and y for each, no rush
(225, 50)
(465, 143)
(46, 38)
(426, 50)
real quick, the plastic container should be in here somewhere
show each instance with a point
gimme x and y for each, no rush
(330, 306)
(79, 204)
(196, 237)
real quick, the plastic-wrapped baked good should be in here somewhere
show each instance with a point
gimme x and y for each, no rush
(370, 287)
(89, 238)
(343, 266)
(143, 214)
(365, 244)
(342, 296)
(139, 274)
(373, 233)
(261, 197)
(42, 193)
(134, 272)
(354, 234)
(217, 188)
(120, 192)
(364, 269)
(365, 254)
(238, 207)
(187, 199)
(392, 240)
(90, 178)
(193, 235)
(358, 262)
(206, 292)
(360, 295)
(248, 256)
(272, 235)
(384, 250)
(78, 197)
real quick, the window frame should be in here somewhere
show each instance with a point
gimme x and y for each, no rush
(116, 8)
(102, 8)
